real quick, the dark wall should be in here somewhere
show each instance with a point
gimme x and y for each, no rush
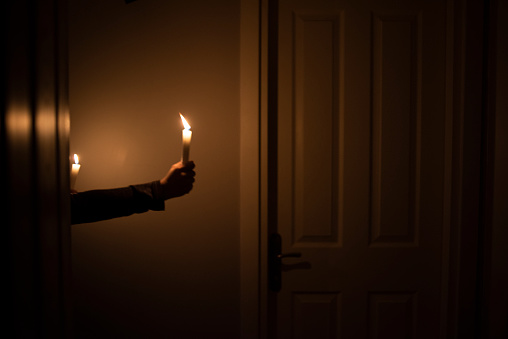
(133, 68)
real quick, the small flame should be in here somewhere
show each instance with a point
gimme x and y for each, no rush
(185, 123)
(76, 159)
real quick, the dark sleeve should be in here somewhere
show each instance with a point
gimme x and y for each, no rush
(106, 204)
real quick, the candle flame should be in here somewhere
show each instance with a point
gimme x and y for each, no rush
(185, 123)
(76, 159)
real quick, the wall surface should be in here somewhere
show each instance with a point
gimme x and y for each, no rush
(133, 67)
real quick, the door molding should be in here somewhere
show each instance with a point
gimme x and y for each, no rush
(466, 196)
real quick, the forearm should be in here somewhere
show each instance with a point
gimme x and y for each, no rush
(106, 204)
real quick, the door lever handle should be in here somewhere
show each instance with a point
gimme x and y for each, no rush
(290, 255)
(275, 261)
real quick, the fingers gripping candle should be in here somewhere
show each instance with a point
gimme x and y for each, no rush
(186, 139)
(75, 171)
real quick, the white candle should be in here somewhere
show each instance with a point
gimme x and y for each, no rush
(186, 139)
(75, 171)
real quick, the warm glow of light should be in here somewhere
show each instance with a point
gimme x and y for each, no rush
(18, 121)
(76, 159)
(185, 123)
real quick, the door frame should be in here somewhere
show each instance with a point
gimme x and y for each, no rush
(466, 107)
(253, 167)
(34, 169)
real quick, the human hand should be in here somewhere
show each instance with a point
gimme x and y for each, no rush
(178, 181)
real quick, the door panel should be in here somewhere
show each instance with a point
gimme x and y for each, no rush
(396, 110)
(361, 175)
(315, 132)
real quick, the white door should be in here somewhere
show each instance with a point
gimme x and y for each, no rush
(362, 168)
